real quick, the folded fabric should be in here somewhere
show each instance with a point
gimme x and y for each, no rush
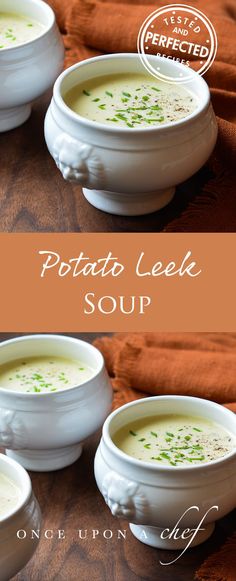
(92, 27)
(195, 364)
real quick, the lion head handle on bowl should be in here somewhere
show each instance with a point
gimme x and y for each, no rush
(12, 430)
(78, 162)
(124, 497)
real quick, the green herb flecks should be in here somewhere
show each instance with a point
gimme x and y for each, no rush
(165, 455)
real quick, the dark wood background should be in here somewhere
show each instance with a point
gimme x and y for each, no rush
(70, 500)
(34, 197)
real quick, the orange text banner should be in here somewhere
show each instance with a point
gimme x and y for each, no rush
(117, 282)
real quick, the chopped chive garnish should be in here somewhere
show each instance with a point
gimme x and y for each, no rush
(159, 120)
(155, 89)
(199, 459)
(147, 446)
(120, 116)
(96, 100)
(142, 440)
(164, 455)
(154, 434)
(170, 434)
(126, 94)
(109, 94)
(132, 433)
(197, 430)
(103, 106)
(86, 93)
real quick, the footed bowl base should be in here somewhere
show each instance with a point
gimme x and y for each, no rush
(123, 204)
(13, 117)
(46, 460)
(152, 536)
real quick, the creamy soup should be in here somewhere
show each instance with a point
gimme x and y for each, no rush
(16, 29)
(174, 440)
(9, 495)
(43, 374)
(130, 100)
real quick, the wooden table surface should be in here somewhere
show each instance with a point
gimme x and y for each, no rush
(34, 197)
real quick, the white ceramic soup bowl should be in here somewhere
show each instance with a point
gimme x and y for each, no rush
(28, 70)
(127, 171)
(45, 431)
(15, 552)
(155, 498)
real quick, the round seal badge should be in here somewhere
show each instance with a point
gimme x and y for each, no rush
(181, 33)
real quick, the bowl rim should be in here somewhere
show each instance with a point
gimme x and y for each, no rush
(55, 337)
(52, 20)
(25, 491)
(158, 468)
(95, 125)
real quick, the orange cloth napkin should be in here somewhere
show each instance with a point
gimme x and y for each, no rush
(196, 364)
(92, 27)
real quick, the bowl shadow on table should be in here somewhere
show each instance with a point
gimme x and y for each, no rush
(70, 501)
(97, 221)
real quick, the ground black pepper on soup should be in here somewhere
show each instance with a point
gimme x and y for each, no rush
(131, 100)
(174, 440)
